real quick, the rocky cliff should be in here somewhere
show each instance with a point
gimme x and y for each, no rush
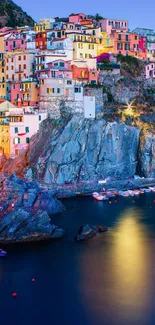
(84, 150)
(12, 15)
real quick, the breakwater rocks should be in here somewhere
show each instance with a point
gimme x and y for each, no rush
(25, 210)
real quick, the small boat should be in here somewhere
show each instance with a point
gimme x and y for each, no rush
(99, 197)
(152, 189)
(2, 253)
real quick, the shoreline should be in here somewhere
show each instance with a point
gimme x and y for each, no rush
(86, 189)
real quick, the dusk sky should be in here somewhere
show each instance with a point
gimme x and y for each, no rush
(139, 13)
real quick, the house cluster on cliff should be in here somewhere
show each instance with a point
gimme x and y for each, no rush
(47, 67)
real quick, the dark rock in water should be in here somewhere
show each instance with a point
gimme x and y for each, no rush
(25, 210)
(23, 226)
(89, 231)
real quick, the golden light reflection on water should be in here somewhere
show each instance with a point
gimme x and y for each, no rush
(115, 272)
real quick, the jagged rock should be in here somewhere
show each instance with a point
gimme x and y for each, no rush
(24, 210)
(89, 231)
(22, 226)
(90, 150)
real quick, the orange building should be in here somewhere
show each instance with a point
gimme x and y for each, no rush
(128, 44)
(84, 74)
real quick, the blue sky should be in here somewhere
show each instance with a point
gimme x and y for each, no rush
(138, 12)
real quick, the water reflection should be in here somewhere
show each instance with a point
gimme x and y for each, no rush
(115, 272)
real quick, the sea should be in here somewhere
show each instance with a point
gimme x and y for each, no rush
(107, 280)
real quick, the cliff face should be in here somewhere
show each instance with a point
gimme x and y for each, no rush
(147, 154)
(87, 150)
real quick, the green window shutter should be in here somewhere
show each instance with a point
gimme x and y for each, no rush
(18, 140)
(26, 129)
(27, 140)
(16, 130)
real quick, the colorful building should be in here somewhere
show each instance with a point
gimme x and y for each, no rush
(57, 69)
(84, 74)
(76, 18)
(84, 46)
(19, 65)
(41, 40)
(114, 25)
(61, 46)
(14, 41)
(25, 93)
(150, 70)
(105, 43)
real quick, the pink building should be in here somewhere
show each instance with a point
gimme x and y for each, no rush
(15, 41)
(57, 69)
(25, 93)
(76, 18)
(19, 65)
(150, 70)
(109, 25)
(22, 127)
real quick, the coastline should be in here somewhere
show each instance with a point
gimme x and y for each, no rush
(87, 188)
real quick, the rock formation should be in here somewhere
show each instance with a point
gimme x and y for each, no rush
(25, 210)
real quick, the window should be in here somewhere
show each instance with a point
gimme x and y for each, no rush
(24, 66)
(69, 82)
(39, 117)
(2, 70)
(17, 140)
(6, 43)
(77, 90)
(27, 140)
(47, 90)
(55, 64)
(135, 37)
(53, 90)
(16, 130)
(19, 58)
(26, 129)
(24, 57)
(127, 47)
(79, 45)
(62, 64)
(127, 38)
(14, 43)
(58, 90)
(13, 77)
(119, 37)
(12, 67)
(22, 41)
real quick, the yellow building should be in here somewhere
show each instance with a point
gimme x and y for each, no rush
(5, 127)
(39, 28)
(46, 22)
(84, 45)
(105, 44)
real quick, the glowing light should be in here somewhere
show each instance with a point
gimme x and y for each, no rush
(129, 109)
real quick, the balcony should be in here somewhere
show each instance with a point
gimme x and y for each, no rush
(25, 89)
(19, 70)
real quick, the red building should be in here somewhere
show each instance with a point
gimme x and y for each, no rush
(84, 74)
(143, 46)
(41, 40)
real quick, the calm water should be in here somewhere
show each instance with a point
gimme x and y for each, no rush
(107, 280)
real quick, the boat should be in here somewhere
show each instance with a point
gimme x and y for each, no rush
(152, 189)
(2, 253)
(99, 197)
